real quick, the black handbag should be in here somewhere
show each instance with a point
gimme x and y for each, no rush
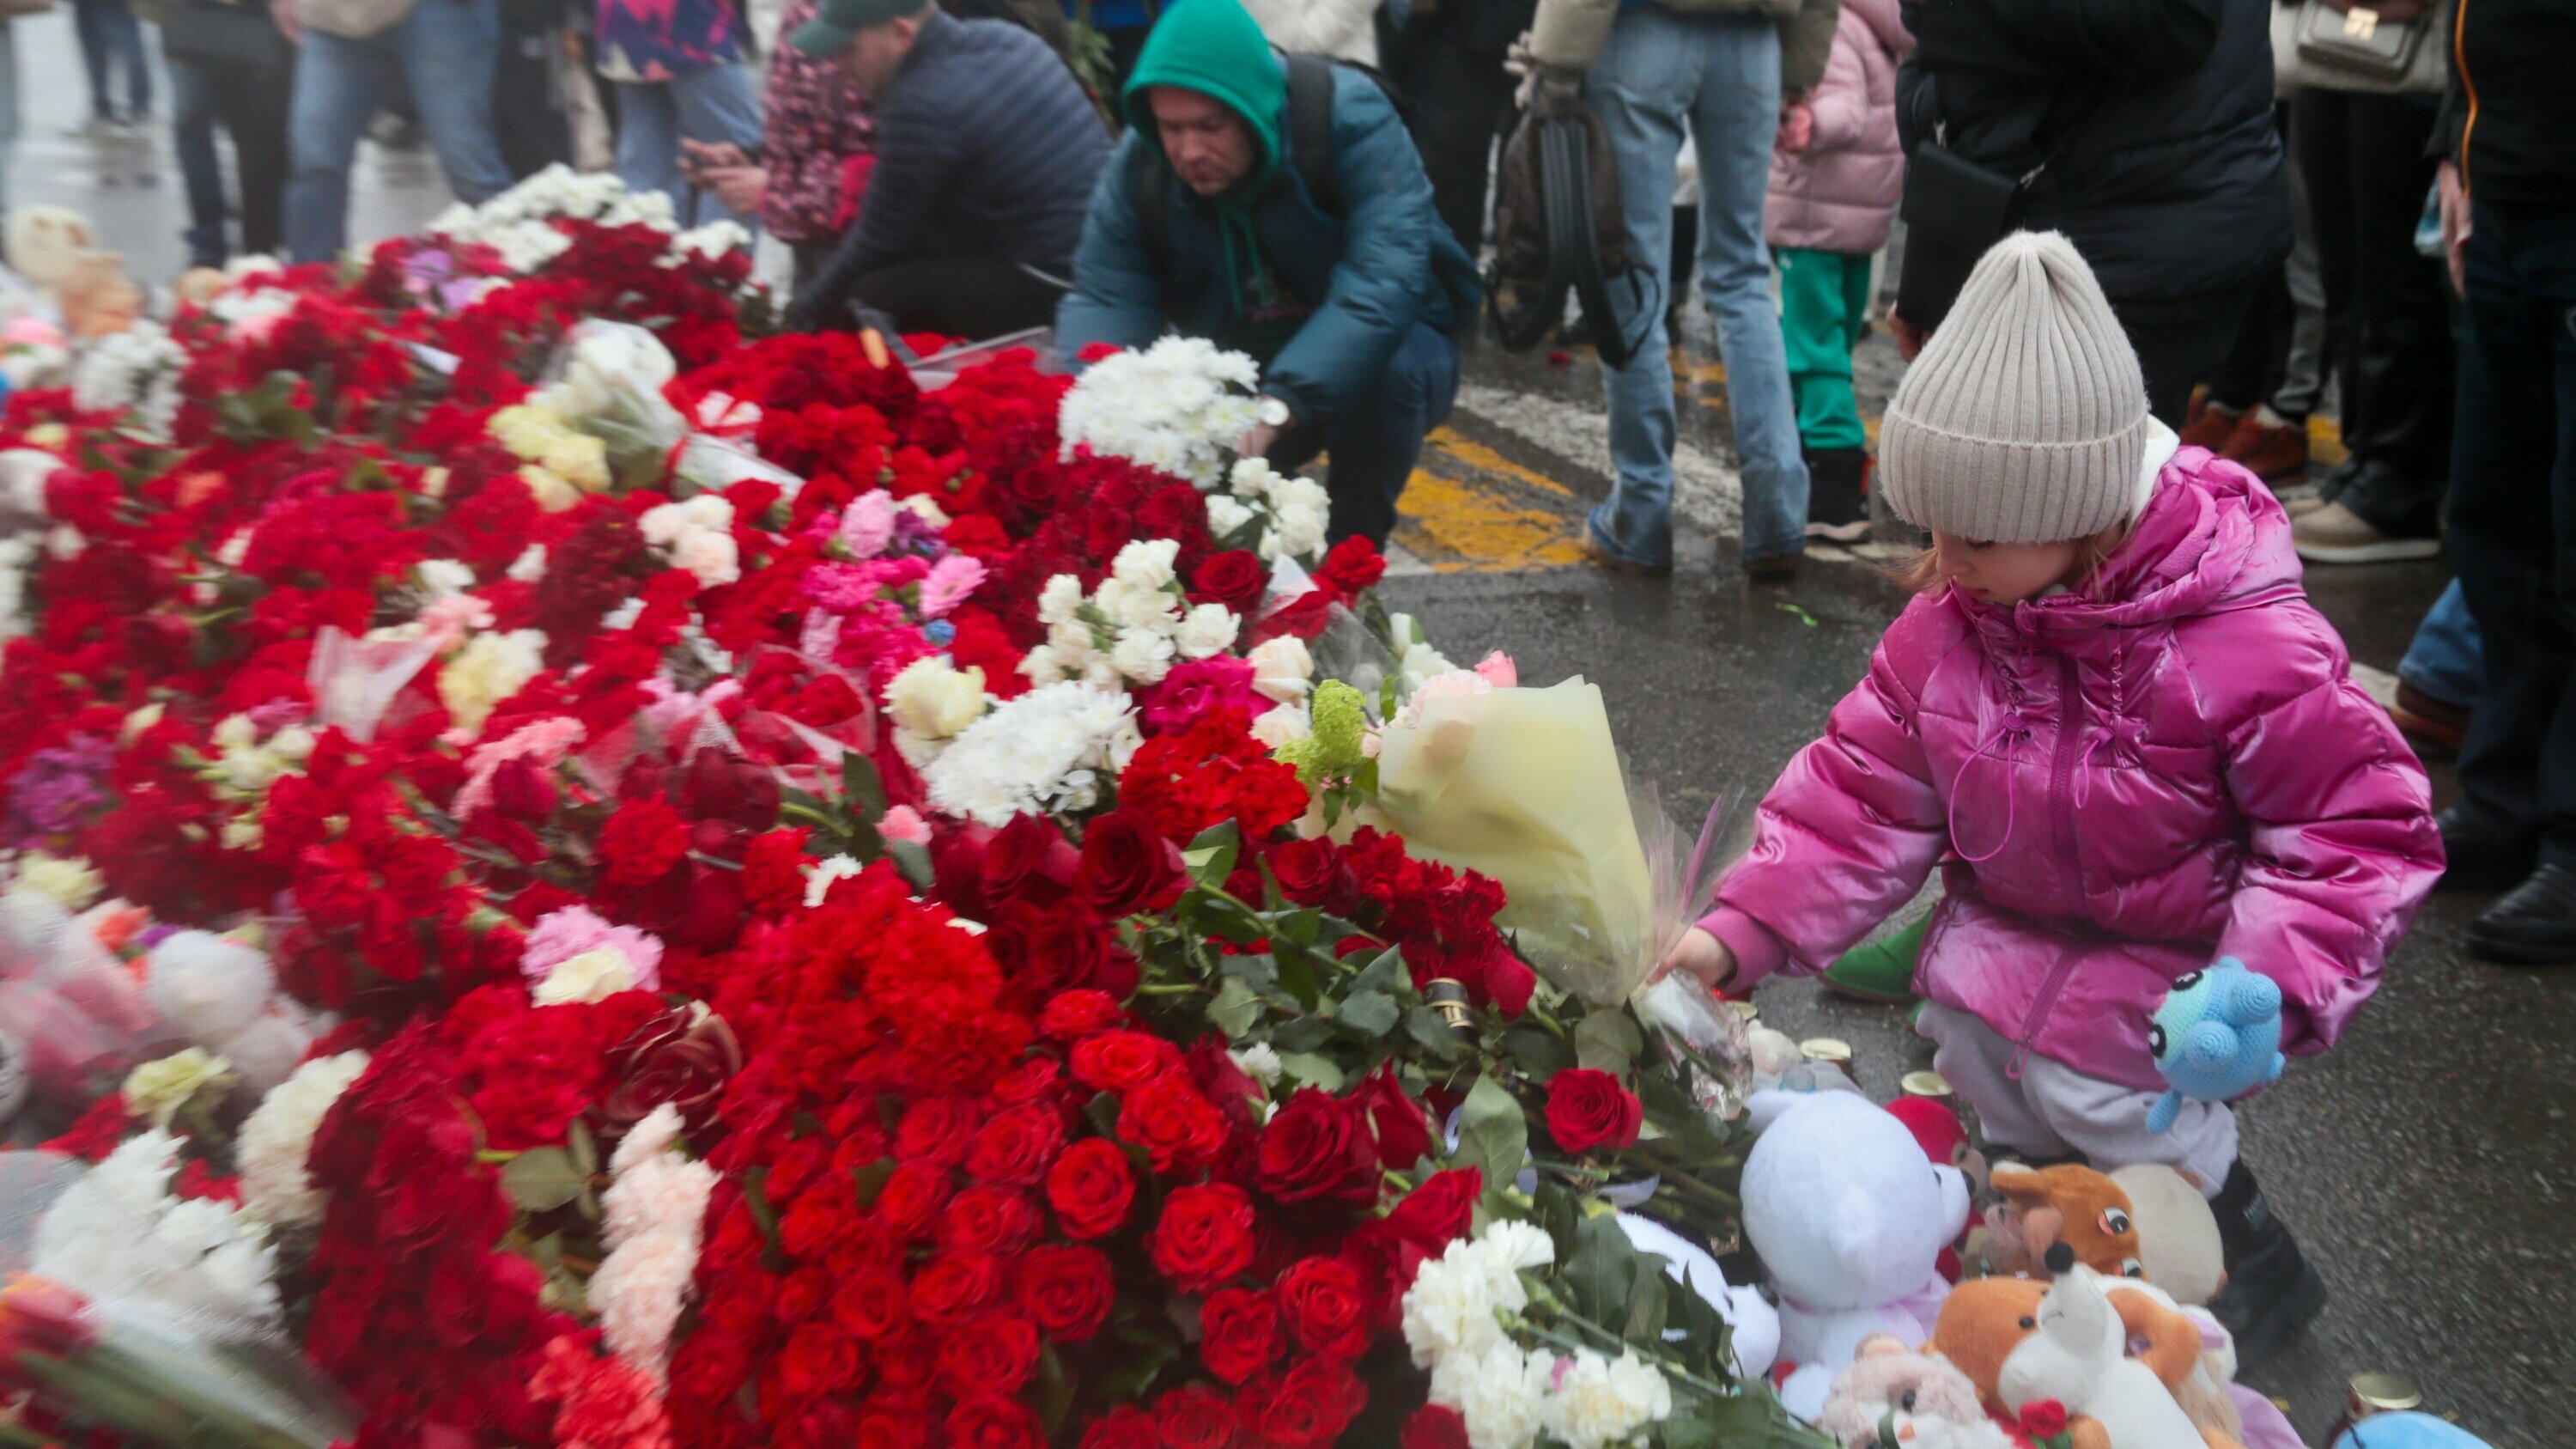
(1558, 228)
(1955, 210)
(236, 38)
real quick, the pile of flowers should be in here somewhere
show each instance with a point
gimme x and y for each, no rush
(619, 880)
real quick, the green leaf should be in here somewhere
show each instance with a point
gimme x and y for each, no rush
(1054, 1389)
(1313, 1070)
(1603, 1270)
(1298, 976)
(1429, 1031)
(1649, 1307)
(1607, 1041)
(864, 790)
(1211, 856)
(1383, 973)
(585, 1148)
(870, 1179)
(1299, 927)
(1301, 1033)
(1370, 1013)
(1236, 1010)
(1259, 972)
(1492, 1134)
(1539, 1054)
(543, 1179)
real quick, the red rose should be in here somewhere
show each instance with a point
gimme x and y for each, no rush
(1029, 859)
(1588, 1109)
(870, 1305)
(1090, 1188)
(2043, 1418)
(1178, 1128)
(991, 1421)
(1204, 1236)
(1067, 1290)
(937, 1131)
(817, 1360)
(1318, 1148)
(1196, 1417)
(1236, 578)
(1326, 1307)
(1403, 1133)
(1078, 1014)
(954, 1285)
(1238, 1333)
(1309, 871)
(1126, 1427)
(1122, 1061)
(986, 1220)
(1127, 865)
(1308, 1408)
(1016, 1146)
(911, 1197)
(994, 1353)
(1435, 1426)
(1440, 1211)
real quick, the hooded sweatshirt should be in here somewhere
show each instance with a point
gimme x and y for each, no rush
(1216, 48)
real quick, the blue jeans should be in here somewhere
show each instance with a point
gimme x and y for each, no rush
(712, 105)
(2513, 519)
(110, 35)
(8, 108)
(2443, 660)
(250, 104)
(1718, 76)
(446, 50)
(1376, 439)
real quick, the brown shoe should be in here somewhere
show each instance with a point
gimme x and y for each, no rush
(1608, 562)
(2209, 425)
(2269, 453)
(2427, 721)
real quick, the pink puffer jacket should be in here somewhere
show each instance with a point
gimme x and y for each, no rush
(1839, 194)
(2120, 784)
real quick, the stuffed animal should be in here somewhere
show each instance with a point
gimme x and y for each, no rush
(97, 298)
(45, 242)
(1753, 1325)
(2216, 1037)
(1989, 1327)
(1928, 1403)
(2407, 1429)
(2071, 1205)
(1850, 1220)
(2177, 1233)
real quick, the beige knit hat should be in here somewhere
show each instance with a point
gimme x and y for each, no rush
(2025, 418)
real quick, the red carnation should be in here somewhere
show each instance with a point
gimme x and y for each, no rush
(1239, 1334)
(1204, 1236)
(1588, 1109)
(1090, 1188)
(642, 841)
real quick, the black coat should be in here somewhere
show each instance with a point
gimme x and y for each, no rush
(2170, 183)
(2512, 108)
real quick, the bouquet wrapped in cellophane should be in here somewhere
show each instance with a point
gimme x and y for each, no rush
(1526, 786)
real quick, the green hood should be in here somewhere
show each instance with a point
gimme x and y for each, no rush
(1212, 47)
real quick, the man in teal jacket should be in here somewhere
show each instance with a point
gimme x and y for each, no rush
(1335, 273)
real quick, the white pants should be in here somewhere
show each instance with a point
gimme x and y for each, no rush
(2053, 1109)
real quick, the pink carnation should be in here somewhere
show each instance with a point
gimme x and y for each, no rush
(1196, 688)
(904, 823)
(562, 935)
(868, 523)
(1498, 670)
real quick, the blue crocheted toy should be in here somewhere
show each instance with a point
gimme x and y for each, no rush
(2408, 1430)
(2217, 1036)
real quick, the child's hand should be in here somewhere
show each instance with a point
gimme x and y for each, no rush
(1797, 126)
(1700, 954)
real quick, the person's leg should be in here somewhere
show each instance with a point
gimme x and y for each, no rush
(2397, 386)
(8, 109)
(1973, 1057)
(648, 141)
(2443, 659)
(2303, 362)
(1734, 120)
(2178, 341)
(1459, 99)
(195, 97)
(1377, 440)
(255, 112)
(89, 26)
(337, 81)
(124, 33)
(449, 49)
(1640, 89)
(2506, 531)
(2107, 1122)
(716, 105)
(2546, 244)
(1816, 333)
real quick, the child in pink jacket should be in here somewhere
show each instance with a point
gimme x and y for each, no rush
(2113, 720)
(1836, 174)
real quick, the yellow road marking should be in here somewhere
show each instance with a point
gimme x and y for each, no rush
(2325, 440)
(1477, 455)
(1483, 519)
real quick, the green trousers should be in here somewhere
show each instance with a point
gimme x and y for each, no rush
(1824, 301)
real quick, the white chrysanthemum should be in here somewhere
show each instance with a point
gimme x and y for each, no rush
(1300, 510)
(136, 372)
(1501, 1393)
(1208, 630)
(159, 1088)
(1031, 755)
(279, 1136)
(1598, 1402)
(72, 882)
(118, 1236)
(1180, 406)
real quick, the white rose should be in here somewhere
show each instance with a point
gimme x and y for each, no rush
(1282, 724)
(1206, 631)
(1148, 562)
(1142, 655)
(1281, 668)
(934, 699)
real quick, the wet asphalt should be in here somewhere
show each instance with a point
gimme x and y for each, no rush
(2428, 1164)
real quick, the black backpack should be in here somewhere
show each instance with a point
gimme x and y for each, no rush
(1559, 228)
(1310, 141)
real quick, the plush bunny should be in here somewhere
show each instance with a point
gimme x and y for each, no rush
(1928, 1403)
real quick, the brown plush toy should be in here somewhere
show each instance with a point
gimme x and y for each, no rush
(97, 298)
(2044, 1207)
(1984, 1320)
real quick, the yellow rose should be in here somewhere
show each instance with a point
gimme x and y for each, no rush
(159, 1089)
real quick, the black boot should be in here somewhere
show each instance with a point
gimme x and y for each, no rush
(2272, 1290)
(2534, 924)
(1836, 509)
(2483, 852)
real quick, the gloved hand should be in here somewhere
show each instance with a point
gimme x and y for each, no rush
(2217, 1036)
